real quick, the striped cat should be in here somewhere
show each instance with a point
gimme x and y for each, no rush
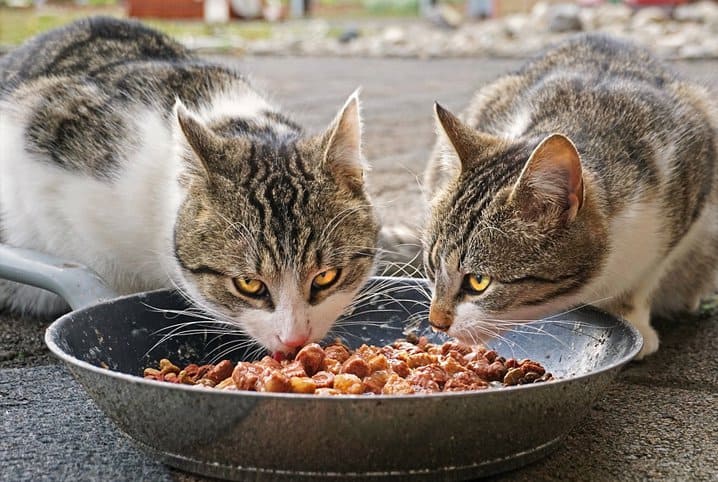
(122, 151)
(588, 176)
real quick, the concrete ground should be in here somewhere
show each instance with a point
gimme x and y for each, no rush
(658, 421)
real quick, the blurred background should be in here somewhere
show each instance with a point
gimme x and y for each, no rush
(678, 29)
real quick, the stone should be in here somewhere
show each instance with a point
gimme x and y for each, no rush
(647, 16)
(700, 12)
(348, 35)
(564, 17)
(612, 14)
(394, 35)
(444, 16)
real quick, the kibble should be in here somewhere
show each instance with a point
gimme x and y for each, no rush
(405, 367)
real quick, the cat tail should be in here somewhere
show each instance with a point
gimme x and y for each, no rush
(400, 252)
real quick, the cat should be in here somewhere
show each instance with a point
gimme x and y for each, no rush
(587, 176)
(124, 152)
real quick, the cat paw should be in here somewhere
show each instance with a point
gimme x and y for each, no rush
(650, 341)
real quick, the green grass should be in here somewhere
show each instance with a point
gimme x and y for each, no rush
(17, 25)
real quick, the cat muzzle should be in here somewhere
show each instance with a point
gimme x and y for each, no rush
(440, 319)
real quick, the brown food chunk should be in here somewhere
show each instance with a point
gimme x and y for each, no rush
(302, 385)
(311, 357)
(356, 366)
(513, 376)
(376, 381)
(421, 359)
(246, 375)
(220, 371)
(399, 367)
(294, 369)
(396, 385)
(275, 381)
(323, 379)
(378, 362)
(331, 365)
(404, 367)
(337, 352)
(348, 383)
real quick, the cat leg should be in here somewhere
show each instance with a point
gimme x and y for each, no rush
(28, 300)
(639, 315)
(688, 278)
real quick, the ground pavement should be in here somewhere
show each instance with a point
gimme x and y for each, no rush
(657, 421)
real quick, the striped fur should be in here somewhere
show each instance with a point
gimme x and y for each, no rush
(124, 152)
(644, 201)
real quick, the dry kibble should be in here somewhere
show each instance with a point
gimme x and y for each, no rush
(226, 384)
(513, 376)
(532, 366)
(206, 382)
(166, 367)
(405, 367)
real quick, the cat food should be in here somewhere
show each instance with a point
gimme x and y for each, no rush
(405, 367)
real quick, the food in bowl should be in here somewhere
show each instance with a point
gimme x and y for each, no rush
(407, 366)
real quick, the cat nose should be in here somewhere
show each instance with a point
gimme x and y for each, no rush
(440, 319)
(295, 341)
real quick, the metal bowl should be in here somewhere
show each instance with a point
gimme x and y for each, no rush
(233, 434)
(239, 435)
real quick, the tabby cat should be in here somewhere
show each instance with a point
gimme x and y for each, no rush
(588, 176)
(123, 151)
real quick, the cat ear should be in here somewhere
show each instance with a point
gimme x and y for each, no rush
(206, 145)
(552, 178)
(466, 142)
(342, 141)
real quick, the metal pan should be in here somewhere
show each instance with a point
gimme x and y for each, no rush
(239, 435)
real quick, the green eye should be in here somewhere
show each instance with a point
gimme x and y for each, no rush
(476, 283)
(250, 287)
(325, 279)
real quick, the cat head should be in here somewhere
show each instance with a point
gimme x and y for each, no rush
(514, 236)
(276, 232)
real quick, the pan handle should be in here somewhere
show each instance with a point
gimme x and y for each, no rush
(76, 284)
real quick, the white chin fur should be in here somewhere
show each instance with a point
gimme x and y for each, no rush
(293, 320)
(474, 325)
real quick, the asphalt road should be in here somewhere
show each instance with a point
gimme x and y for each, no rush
(657, 421)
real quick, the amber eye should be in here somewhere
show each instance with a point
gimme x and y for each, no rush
(325, 279)
(250, 287)
(476, 283)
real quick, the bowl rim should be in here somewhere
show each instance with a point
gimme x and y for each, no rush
(52, 333)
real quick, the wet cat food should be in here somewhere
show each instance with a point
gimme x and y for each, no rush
(405, 367)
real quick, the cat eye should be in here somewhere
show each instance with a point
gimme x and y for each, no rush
(325, 279)
(250, 287)
(476, 283)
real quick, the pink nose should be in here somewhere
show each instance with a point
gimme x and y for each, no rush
(295, 342)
